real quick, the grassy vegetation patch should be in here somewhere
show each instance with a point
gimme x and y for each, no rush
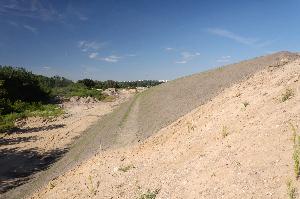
(79, 90)
(25, 109)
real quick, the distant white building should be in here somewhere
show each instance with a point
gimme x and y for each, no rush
(163, 81)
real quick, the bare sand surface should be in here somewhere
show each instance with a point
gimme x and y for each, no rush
(38, 141)
(237, 145)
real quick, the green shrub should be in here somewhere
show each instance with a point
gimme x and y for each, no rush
(79, 90)
(6, 124)
(19, 84)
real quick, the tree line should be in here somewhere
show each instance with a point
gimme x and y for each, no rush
(18, 84)
(24, 94)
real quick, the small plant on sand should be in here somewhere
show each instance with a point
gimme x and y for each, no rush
(126, 168)
(225, 131)
(296, 158)
(109, 98)
(191, 127)
(245, 103)
(294, 131)
(238, 94)
(291, 189)
(296, 153)
(51, 185)
(91, 187)
(149, 194)
(287, 95)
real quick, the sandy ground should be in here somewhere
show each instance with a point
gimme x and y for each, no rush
(38, 142)
(49, 134)
(238, 145)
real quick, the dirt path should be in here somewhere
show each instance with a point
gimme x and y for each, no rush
(129, 127)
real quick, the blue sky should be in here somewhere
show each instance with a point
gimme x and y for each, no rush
(142, 39)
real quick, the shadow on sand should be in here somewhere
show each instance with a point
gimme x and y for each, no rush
(17, 166)
(36, 129)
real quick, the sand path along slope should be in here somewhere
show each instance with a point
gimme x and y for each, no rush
(237, 145)
(157, 107)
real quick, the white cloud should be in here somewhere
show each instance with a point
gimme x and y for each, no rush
(111, 58)
(131, 55)
(31, 8)
(46, 67)
(25, 26)
(86, 46)
(12, 23)
(224, 59)
(238, 38)
(81, 17)
(186, 57)
(93, 55)
(181, 62)
(169, 49)
(41, 10)
(233, 36)
(91, 48)
(30, 28)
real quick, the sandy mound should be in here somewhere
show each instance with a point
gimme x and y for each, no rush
(238, 145)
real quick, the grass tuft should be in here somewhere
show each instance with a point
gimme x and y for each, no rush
(245, 104)
(126, 168)
(294, 131)
(109, 98)
(296, 153)
(91, 187)
(150, 194)
(296, 158)
(291, 190)
(191, 127)
(225, 131)
(287, 95)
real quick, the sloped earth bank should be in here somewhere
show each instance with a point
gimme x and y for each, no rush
(39, 142)
(238, 145)
(155, 108)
